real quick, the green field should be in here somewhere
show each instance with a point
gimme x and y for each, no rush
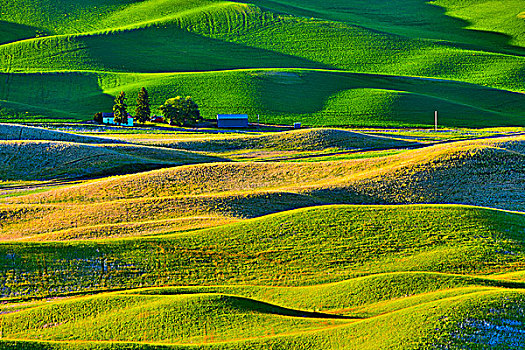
(364, 229)
(240, 273)
(350, 64)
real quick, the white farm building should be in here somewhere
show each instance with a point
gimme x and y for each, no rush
(108, 118)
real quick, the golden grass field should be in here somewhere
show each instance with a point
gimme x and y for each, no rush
(330, 244)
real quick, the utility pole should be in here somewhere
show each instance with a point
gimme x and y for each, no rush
(435, 120)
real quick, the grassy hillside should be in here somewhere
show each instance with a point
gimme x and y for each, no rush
(297, 140)
(483, 315)
(16, 132)
(279, 96)
(229, 317)
(307, 246)
(44, 160)
(180, 319)
(501, 17)
(478, 23)
(157, 237)
(488, 173)
(403, 42)
(482, 172)
(372, 255)
(485, 172)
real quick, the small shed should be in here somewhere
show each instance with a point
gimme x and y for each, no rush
(232, 120)
(109, 118)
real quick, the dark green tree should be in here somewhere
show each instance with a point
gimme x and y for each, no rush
(120, 113)
(181, 111)
(143, 111)
(98, 118)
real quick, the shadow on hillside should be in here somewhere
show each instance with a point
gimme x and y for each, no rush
(73, 94)
(416, 19)
(11, 32)
(170, 49)
(260, 204)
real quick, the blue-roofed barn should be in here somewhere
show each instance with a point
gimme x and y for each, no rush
(232, 120)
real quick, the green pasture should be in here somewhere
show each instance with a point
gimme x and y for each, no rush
(307, 246)
(203, 317)
(74, 71)
(279, 96)
(487, 24)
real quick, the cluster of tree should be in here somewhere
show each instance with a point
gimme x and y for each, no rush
(181, 111)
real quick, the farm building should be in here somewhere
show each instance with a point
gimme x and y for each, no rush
(232, 120)
(108, 118)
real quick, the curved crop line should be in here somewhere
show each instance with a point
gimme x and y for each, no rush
(38, 42)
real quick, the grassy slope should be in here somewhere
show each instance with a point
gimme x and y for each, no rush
(44, 160)
(12, 132)
(362, 240)
(262, 39)
(500, 16)
(483, 24)
(485, 320)
(170, 319)
(332, 98)
(468, 172)
(307, 246)
(60, 16)
(487, 173)
(233, 317)
(477, 162)
(303, 247)
(297, 140)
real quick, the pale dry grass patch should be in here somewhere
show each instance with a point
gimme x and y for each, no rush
(48, 160)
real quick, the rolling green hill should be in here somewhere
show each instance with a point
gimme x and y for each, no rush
(93, 50)
(332, 276)
(262, 282)
(320, 238)
(307, 246)
(257, 324)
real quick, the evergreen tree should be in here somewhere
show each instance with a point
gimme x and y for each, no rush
(143, 111)
(120, 114)
(98, 118)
